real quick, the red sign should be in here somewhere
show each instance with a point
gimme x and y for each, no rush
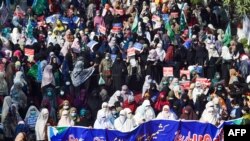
(131, 52)
(185, 84)
(168, 71)
(29, 52)
(186, 72)
(204, 81)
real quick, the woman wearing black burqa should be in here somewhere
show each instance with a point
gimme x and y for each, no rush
(119, 72)
(201, 54)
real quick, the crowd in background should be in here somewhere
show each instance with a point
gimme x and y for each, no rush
(99, 64)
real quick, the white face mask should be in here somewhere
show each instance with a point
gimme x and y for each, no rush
(106, 58)
(129, 115)
(67, 83)
(61, 92)
(113, 112)
(133, 62)
(65, 107)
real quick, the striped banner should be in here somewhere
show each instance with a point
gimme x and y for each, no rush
(117, 27)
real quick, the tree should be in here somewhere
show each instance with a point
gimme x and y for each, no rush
(239, 7)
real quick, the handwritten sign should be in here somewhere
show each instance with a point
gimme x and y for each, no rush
(185, 84)
(185, 72)
(29, 52)
(204, 81)
(168, 71)
(131, 52)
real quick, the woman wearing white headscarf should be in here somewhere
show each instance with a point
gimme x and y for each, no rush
(31, 117)
(119, 122)
(166, 113)
(160, 52)
(79, 74)
(48, 77)
(65, 119)
(197, 91)
(103, 122)
(15, 35)
(116, 97)
(19, 77)
(210, 114)
(146, 85)
(41, 125)
(226, 63)
(104, 110)
(225, 53)
(130, 123)
(144, 113)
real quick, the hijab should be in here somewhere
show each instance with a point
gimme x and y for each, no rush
(20, 78)
(115, 98)
(225, 54)
(3, 85)
(6, 107)
(65, 119)
(144, 112)
(48, 77)
(41, 67)
(170, 53)
(103, 122)
(15, 35)
(188, 114)
(41, 123)
(166, 113)
(119, 122)
(209, 114)
(18, 96)
(130, 123)
(79, 75)
(104, 110)
(29, 113)
(146, 85)
(160, 52)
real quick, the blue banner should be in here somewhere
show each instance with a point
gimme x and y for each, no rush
(157, 130)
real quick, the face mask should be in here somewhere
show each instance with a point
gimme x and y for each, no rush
(65, 107)
(49, 93)
(106, 58)
(113, 112)
(129, 115)
(33, 113)
(217, 77)
(67, 83)
(165, 83)
(61, 93)
(219, 88)
(73, 114)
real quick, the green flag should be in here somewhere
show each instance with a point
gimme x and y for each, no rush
(227, 36)
(171, 33)
(182, 21)
(39, 6)
(135, 23)
(29, 29)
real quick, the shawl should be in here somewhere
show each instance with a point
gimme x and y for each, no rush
(225, 54)
(31, 118)
(160, 52)
(65, 119)
(48, 77)
(3, 85)
(166, 114)
(41, 123)
(114, 98)
(76, 46)
(103, 122)
(119, 122)
(144, 112)
(40, 69)
(19, 78)
(79, 75)
(130, 123)
(209, 115)
(188, 114)
(15, 36)
(6, 106)
(18, 96)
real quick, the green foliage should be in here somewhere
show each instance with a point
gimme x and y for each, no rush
(194, 2)
(241, 7)
(244, 42)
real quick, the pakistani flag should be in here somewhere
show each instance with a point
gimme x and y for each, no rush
(39, 6)
(135, 23)
(182, 21)
(227, 36)
(171, 33)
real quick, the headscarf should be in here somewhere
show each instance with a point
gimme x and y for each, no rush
(104, 110)
(188, 114)
(65, 119)
(160, 52)
(152, 56)
(19, 78)
(76, 46)
(144, 112)
(48, 77)
(115, 98)
(209, 114)
(197, 91)
(233, 76)
(7, 102)
(119, 122)
(18, 96)
(31, 116)
(170, 53)
(15, 35)
(130, 123)
(79, 75)
(3, 85)
(225, 54)
(41, 67)
(41, 123)
(166, 113)
(103, 122)
(146, 85)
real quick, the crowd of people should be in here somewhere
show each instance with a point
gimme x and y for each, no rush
(101, 64)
